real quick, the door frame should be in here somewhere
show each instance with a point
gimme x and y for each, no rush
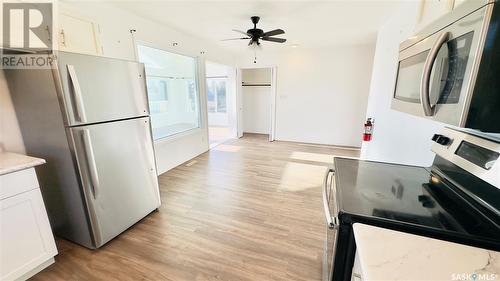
(232, 80)
(239, 100)
(274, 75)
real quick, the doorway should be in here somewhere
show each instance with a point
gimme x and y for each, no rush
(221, 103)
(258, 101)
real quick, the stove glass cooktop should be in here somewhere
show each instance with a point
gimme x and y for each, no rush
(406, 194)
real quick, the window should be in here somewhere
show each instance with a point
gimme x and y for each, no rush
(216, 94)
(157, 94)
(172, 91)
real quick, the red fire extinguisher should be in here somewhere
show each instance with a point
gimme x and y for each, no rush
(367, 134)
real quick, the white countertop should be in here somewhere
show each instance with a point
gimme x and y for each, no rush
(392, 255)
(12, 162)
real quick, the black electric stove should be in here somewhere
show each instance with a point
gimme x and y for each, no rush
(410, 196)
(452, 200)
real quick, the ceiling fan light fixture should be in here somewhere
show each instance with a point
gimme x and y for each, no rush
(255, 34)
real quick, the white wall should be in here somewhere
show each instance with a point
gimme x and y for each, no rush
(115, 25)
(321, 93)
(397, 137)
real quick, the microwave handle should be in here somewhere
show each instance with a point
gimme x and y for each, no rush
(426, 77)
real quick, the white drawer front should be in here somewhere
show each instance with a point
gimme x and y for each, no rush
(25, 235)
(17, 183)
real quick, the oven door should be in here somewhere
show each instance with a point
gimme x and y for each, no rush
(331, 210)
(435, 75)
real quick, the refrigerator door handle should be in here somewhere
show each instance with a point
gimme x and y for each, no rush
(77, 94)
(331, 222)
(89, 153)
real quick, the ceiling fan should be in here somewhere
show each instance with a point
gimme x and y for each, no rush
(255, 34)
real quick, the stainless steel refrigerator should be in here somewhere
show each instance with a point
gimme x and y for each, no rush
(88, 117)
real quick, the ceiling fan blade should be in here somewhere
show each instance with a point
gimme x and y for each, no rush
(250, 43)
(273, 33)
(272, 39)
(241, 38)
(242, 32)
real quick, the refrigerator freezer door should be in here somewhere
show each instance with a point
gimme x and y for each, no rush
(98, 89)
(117, 167)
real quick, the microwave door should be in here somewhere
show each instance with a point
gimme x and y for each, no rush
(432, 69)
(408, 79)
(438, 79)
(445, 86)
(420, 76)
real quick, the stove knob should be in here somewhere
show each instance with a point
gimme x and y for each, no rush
(443, 140)
(436, 137)
(428, 204)
(422, 198)
(426, 201)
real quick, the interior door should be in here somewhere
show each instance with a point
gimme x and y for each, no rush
(98, 89)
(118, 171)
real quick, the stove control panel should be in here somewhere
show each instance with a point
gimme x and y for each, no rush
(477, 155)
(474, 152)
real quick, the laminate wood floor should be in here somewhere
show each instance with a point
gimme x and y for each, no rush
(246, 210)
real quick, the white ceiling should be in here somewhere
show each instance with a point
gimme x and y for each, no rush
(308, 24)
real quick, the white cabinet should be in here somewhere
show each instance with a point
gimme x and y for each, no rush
(458, 3)
(79, 35)
(430, 10)
(27, 244)
(357, 273)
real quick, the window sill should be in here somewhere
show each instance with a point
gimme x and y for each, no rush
(177, 136)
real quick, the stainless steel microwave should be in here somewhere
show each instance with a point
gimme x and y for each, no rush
(450, 71)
